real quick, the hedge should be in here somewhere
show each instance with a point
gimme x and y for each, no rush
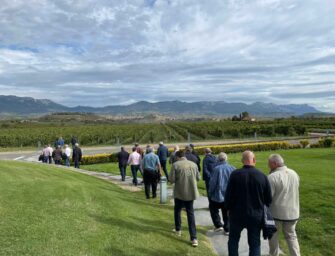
(230, 148)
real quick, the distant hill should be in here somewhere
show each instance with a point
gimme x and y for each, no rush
(12, 105)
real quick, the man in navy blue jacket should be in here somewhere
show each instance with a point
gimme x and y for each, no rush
(163, 154)
(207, 166)
(247, 192)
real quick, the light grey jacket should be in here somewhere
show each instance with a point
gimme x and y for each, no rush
(284, 184)
(184, 175)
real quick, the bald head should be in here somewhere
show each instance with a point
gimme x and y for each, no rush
(248, 158)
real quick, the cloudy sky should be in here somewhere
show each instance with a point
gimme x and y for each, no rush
(107, 52)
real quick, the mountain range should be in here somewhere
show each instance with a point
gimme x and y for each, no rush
(26, 106)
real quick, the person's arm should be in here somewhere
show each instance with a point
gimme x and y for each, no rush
(267, 192)
(198, 162)
(172, 176)
(205, 169)
(130, 158)
(272, 185)
(158, 165)
(197, 175)
(80, 154)
(212, 182)
(229, 192)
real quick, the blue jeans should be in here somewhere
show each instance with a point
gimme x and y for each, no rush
(57, 162)
(76, 164)
(123, 171)
(67, 162)
(253, 227)
(134, 169)
(163, 165)
(45, 159)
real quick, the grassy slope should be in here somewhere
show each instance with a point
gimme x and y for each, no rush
(316, 230)
(51, 211)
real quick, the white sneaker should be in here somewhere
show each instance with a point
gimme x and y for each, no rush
(195, 243)
(219, 229)
(178, 233)
(226, 233)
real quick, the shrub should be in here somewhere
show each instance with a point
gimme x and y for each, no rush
(304, 143)
(326, 142)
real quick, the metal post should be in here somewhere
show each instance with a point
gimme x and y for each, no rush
(163, 190)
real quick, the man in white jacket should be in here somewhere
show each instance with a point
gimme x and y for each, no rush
(285, 208)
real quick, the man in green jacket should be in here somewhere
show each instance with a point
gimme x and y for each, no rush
(184, 175)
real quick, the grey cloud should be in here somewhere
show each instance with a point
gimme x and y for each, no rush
(108, 51)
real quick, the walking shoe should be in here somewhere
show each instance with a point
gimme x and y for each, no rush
(178, 233)
(226, 233)
(219, 229)
(195, 243)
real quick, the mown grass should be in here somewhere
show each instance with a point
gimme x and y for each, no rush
(316, 229)
(46, 210)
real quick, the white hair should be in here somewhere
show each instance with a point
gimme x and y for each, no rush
(222, 157)
(150, 149)
(277, 159)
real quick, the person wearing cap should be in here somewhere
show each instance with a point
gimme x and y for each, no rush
(207, 166)
(191, 157)
(163, 154)
(196, 155)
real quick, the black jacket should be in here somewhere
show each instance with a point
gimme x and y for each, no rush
(77, 154)
(198, 159)
(191, 157)
(163, 153)
(247, 192)
(122, 158)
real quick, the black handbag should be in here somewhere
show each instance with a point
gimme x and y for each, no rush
(268, 225)
(41, 158)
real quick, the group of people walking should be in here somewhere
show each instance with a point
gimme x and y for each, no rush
(244, 196)
(62, 153)
(147, 163)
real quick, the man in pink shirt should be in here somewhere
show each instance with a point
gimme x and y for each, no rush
(135, 162)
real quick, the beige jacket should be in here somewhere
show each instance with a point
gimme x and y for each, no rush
(285, 194)
(184, 174)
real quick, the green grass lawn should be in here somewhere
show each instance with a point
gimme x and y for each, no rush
(316, 230)
(51, 211)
